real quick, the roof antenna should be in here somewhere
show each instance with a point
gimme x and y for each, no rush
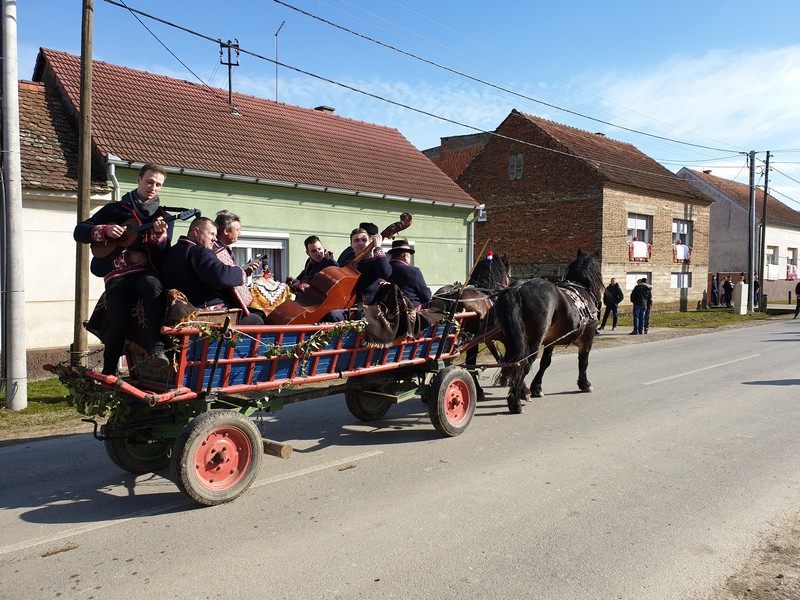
(276, 59)
(230, 64)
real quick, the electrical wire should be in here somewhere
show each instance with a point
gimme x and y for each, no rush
(494, 86)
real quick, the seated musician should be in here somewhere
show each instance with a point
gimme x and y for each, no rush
(406, 276)
(229, 225)
(131, 273)
(348, 253)
(318, 259)
(374, 269)
(192, 267)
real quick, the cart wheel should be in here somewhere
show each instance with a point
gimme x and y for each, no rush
(365, 408)
(217, 457)
(451, 402)
(130, 449)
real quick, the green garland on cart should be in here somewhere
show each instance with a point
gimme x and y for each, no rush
(89, 397)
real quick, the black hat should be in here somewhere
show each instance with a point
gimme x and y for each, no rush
(400, 246)
(370, 228)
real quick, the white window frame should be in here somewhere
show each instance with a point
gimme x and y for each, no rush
(640, 223)
(631, 279)
(682, 281)
(682, 230)
(791, 256)
(250, 243)
(771, 257)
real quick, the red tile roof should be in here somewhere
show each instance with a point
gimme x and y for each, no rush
(49, 143)
(141, 117)
(618, 162)
(777, 211)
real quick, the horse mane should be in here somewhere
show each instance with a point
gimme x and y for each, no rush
(491, 275)
(585, 270)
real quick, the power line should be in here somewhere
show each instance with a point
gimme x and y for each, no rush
(175, 56)
(516, 59)
(394, 102)
(492, 85)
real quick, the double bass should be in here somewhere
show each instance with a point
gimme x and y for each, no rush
(331, 289)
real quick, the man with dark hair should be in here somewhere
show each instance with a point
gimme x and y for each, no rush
(611, 298)
(348, 253)
(318, 259)
(640, 297)
(406, 276)
(374, 268)
(192, 267)
(130, 271)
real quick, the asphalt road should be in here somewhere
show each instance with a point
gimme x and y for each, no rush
(655, 486)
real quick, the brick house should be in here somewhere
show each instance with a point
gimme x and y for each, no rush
(729, 233)
(288, 171)
(549, 189)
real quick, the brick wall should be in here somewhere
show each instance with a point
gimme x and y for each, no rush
(562, 204)
(542, 218)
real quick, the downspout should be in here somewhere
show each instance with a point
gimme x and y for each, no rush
(112, 175)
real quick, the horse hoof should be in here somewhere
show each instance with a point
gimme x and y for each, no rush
(587, 389)
(515, 407)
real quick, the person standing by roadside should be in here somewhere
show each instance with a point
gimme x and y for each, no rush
(611, 298)
(649, 306)
(727, 291)
(639, 298)
(714, 290)
(797, 297)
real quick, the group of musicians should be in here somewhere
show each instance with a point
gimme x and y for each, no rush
(202, 265)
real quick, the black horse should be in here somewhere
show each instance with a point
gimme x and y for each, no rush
(488, 278)
(538, 311)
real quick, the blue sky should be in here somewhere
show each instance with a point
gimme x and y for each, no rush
(720, 77)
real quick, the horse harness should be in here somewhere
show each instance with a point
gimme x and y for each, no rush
(582, 306)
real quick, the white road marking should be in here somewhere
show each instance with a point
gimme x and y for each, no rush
(685, 373)
(24, 545)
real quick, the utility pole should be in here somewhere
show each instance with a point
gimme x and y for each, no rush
(80, 342)
(751, 247)
(230, 64)
(15, 363)
(276, 59)
(761, 266)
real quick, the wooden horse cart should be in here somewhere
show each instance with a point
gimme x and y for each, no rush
(197, 420)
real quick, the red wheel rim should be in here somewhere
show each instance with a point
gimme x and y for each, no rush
(457, 402)
(222, 457)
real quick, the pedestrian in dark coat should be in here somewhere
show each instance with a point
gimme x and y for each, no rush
(611, 298)
(640, 296)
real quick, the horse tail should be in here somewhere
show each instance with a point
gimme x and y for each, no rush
(508, 312)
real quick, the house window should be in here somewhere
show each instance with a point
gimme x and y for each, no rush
(632, 278)
(269, 246)
(639, 228)
(515, 165)
(682, 231)
(680, 280)
(772, 255)
(791, 258)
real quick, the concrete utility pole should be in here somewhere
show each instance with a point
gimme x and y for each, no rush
(764, 230)
(751, 246)
(80, 342)
(15, 363)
